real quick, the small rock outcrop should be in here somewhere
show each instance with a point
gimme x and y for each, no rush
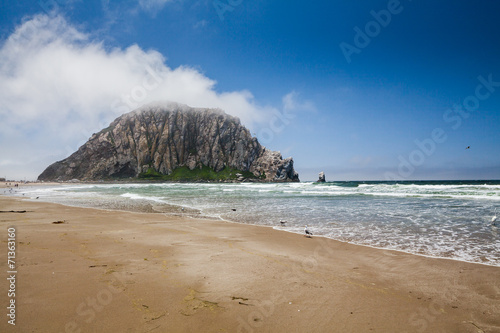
(160, 138)
(321, 178)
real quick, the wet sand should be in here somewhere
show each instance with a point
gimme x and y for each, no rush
(115, 271)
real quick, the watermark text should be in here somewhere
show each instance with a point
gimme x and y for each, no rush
(12, 275)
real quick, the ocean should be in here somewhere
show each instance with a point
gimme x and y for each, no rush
(445, 219)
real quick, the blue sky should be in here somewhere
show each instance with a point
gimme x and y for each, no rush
(374, 90)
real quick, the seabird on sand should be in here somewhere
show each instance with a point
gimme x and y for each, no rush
(307, 232)
(282, 222)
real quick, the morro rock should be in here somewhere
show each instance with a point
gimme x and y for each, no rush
(173, 142)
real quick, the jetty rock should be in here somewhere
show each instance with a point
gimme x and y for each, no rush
(170, 141)
(321, 178)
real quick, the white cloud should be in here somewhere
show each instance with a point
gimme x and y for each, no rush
(291, 103)
(57, 86)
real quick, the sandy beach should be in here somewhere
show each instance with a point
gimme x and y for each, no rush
(90, 270)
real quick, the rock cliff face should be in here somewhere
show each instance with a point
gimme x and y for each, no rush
(158, 139)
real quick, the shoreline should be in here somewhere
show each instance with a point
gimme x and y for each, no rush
(148, 207)
(351, 243)
(151, 272)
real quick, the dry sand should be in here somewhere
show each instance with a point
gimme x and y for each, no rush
(113, 271)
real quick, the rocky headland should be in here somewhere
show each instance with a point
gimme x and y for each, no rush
(173, 142)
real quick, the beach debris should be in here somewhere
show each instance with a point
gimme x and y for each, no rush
(234, 209)
(13, 211)
(479, 329)
(240, 302)
(59, 222)
(307, 232)
(93, 266)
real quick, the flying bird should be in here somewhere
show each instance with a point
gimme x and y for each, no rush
(468, 147)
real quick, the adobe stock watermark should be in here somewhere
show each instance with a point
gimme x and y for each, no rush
(223, 6)
(12, 275)
(87, 310)
(454, 117)
(139, 93)
(276, 125)
(126, 103)
(265, 309)
(52, 6)
(255, 319)
(425, 316)
(85, 134)
(372, 29)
